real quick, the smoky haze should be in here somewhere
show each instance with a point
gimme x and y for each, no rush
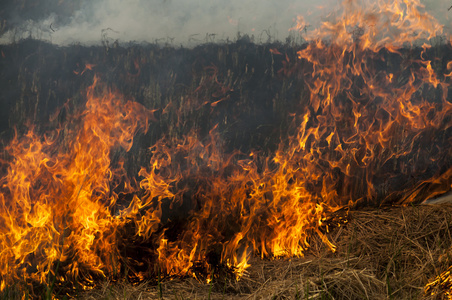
(177, 22)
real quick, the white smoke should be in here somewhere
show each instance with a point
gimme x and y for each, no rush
(183, 22)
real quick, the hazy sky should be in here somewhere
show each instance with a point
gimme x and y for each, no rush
(181, 21)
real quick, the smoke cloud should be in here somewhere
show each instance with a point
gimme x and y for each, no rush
(177, 22)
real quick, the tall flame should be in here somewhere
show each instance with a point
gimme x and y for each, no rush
(195, 207)
(58, 192)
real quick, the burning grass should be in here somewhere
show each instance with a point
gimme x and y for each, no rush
(83, 201)
(387, 253)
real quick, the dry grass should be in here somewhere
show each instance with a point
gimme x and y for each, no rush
(387, 253)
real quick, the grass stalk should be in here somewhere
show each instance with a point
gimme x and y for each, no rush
(159, 284)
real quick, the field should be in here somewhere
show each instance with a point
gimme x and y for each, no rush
(389, 253)
(153, 171)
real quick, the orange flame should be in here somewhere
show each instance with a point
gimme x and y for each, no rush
(57, 203)
(197, 207)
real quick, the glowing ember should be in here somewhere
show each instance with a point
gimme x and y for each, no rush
(443, 282)
(363, 126)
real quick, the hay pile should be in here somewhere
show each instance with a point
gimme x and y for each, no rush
(387, 253)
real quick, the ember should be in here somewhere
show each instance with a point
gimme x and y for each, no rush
(374, 129)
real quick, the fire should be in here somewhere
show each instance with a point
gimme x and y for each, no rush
(444, 282)
(344, 87)
(56, 194)
(196, 210)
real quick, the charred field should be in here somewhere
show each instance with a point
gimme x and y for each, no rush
(234, 170)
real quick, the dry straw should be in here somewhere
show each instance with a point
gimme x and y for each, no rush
(389, 253)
